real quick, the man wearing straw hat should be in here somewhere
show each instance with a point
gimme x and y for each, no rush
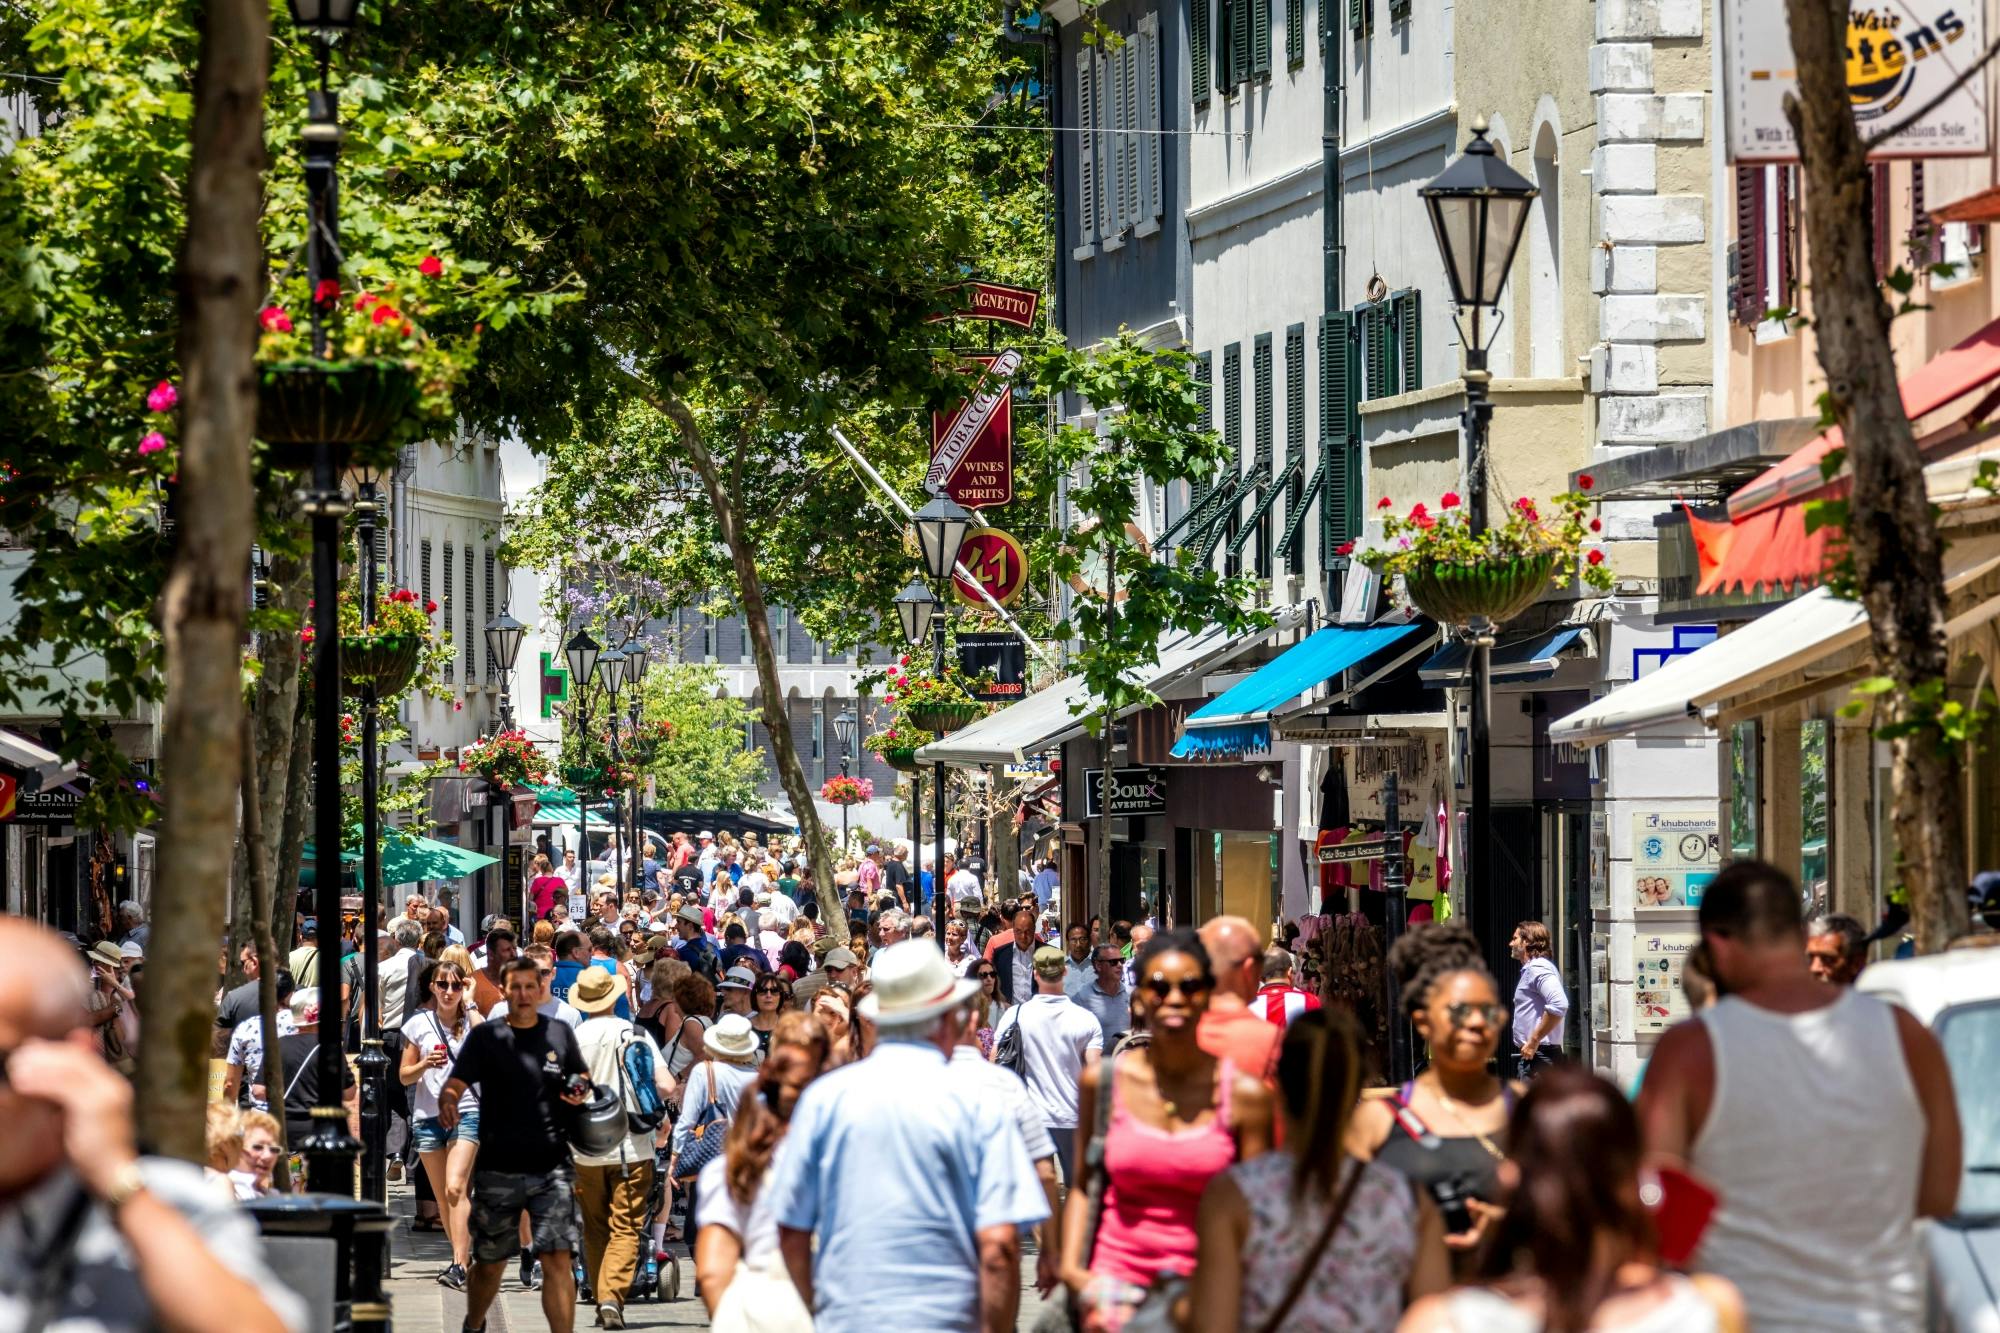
(915, 1183)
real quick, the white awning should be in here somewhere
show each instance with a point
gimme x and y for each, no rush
(1051, 716)
(40, 767)
(1794, 636)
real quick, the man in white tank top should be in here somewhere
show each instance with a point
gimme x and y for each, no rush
(1784, 1066)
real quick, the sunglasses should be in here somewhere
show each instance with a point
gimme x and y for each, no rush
(986, 976)
(1463, 1013)
(770, 990)
(448, 985)
(1188, 986)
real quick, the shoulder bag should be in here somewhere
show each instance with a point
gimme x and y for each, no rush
(706, 1134)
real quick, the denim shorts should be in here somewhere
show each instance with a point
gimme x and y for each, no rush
(500, 1197)
(431, 1136)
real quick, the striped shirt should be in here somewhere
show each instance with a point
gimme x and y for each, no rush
(1280, 1002)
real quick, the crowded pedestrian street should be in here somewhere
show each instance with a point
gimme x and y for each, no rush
(954, 666)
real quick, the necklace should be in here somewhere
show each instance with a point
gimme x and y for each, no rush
(1452, 1109)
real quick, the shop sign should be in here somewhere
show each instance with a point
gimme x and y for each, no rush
(1002, 656)
(1135, 791)
(1340, 853)
(10, 791)
(972, 446)
(1900, 56)
(998, 565)
(1658, 1002)
(56, 806)
(993, 301)
(1675, 853)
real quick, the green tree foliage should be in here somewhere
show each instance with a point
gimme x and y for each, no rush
(702, 764)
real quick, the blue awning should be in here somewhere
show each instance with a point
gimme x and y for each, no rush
(1238, 721)
(1529, 657)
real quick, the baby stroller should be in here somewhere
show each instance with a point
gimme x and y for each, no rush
(659, 1279)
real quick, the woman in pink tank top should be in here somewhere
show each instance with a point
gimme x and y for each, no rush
(1174, 1119)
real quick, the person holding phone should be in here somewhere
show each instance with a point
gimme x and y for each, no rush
(1446, 1129)
(528, 1066)
(433, 1037)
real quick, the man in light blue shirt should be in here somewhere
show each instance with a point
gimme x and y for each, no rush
(915, 1184)
(1047, 881)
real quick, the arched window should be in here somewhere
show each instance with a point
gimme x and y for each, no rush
(1545, 326)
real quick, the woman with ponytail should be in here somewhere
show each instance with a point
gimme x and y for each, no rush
(1312, 1237)
(1575, 1252)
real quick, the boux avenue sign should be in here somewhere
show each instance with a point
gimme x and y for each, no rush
(1134, 791)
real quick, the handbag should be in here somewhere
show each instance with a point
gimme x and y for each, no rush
(705, 1136)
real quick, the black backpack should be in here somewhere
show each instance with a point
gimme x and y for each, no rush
(1008, 1052)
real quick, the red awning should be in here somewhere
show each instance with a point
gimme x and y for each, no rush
(1767, 545)
(1945, 377)
(1974, 208)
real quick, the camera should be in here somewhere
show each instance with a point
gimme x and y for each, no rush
(1450, 1195)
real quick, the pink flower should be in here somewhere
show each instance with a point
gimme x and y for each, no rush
(1449, 500)
(431, 266)
(457, 706)
(1595, 557)
(275, 319)
(888, 698)
(153, 443)
(162, 398)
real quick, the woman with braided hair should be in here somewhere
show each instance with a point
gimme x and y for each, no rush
(1313, 1237)
(1446, 1129)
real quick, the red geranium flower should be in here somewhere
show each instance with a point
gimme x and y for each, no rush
(1596, 557)
(1585, 481)
(275, 319)
(327, 292)
(1597, 525)
(1418, 513)
(1384, 502)
(1449, 500)
(365, 299)
(383, 313)
(1345, 548)
(431, 267)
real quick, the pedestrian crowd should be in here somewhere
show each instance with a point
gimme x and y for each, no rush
(871, 1134)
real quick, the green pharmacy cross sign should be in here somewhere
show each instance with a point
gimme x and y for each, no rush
(555, 687)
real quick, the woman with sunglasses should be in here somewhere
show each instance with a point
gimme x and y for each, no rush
(1174, 1118)
(432, 1039)
(770, 998)
(988, 1004)
(256, 1155)
(1446, 1129)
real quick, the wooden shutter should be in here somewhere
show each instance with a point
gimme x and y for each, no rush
(1747, 306)
(450, 663)
(492, 666)
(1111, 88)
(1926, 233)
(1199, 27)
(1338, 372)
(1151, 190)
(1107, 149)
(1232, 435)
(1878, 218)
(1086, 150)
(1128, 67)
(1295, 438)
(1260, 37)
(1295, 32)
(1379, 352)
(1410, 341)
(1260, 372)
(472, 635)
(424, 570)
(1358, 15)
(1204, 396)
(1398, 10)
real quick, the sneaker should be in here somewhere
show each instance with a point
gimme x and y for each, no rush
(533, 1280)
(453, 1276)
(610, 1316)
(395, 1170)
(583, 1296)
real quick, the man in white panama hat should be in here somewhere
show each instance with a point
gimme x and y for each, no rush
(915, 1183)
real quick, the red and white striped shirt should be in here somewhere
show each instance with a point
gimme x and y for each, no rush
(1280, 1002)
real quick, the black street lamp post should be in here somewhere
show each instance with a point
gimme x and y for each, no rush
(843, 731)
(373, 1062)
(915, 606)
(1478, 206)
(636, 652)
(503, 646)
(941, 527)
(581, 653)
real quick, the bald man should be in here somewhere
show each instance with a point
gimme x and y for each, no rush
(130, 1243)
(1231, 1029)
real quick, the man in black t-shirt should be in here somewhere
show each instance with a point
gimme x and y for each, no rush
(522, 1064)
(687, 882)
(298, 1065)
(896, 877)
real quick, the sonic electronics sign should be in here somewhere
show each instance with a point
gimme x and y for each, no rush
(1901, 54)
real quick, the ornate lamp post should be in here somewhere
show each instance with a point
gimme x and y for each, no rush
(503, 646)
(941, 527)
(1478, 206)
(843, 731)
(581, 653)
(914, 607)
(610, 676)
(372, 1063)
(636, 652)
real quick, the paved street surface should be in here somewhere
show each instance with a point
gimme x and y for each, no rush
(420, 1305)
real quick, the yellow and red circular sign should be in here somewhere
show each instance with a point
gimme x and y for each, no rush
(997, 564)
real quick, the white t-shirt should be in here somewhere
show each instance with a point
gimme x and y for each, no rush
(555, 1009)
(424, 1030)
(781, 911)
(963, 884)
(602, 1039)
(246, 1050)
(990, 1080)
(755, 1226)
(1056, 1035)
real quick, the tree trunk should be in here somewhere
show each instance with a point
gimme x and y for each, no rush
(1003, 845)
(743, 559)
(292, 828)
(276, 719)
(1894, 541)
(202, 603)
(270, 1073)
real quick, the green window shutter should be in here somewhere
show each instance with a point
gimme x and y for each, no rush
(1338, 404)
(1241, 21)
(1260, 36)
(1225, 13)
(1232, 435)
(1198, 48)
(1295, 33)
(1409, 334)
(1260, 370)
(1204, 392)
(1358, 15)
(1295, 439)
(1398, 10)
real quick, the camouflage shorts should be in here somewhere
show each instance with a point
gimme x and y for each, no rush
(500, 1197)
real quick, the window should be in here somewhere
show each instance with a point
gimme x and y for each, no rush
(1398, 10)
(707, 637)
(1767, 230)
(1232, 435)
(472, 635)
(1292, 548)
(450, 663)
(492, 664)
(1200, 13)
(424, 571)
(1243, 42)
(1958, 244)
(1260, 374)
(1295, 32)
(1339, 435)
(819, 734)
(1119, 187)
(1392, 345)
(1360, 16)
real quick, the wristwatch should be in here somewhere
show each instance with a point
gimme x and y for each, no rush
(126, 1181)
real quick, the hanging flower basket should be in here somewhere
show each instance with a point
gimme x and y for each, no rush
(386, 661)
(841, 790)
(1494, 589)
(352, 405)
(902, 760)
(945, 718)
(580, 777)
